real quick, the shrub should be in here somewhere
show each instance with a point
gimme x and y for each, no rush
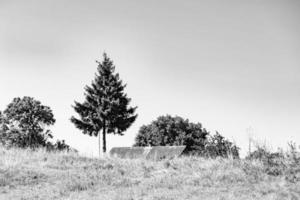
(59, 145)
(171, 131)
(218, 146)
(279, 163)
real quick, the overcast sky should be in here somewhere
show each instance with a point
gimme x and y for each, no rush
(229, 65)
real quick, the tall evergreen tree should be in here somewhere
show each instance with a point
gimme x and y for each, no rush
(106, 106)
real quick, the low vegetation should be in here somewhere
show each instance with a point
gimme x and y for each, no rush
(28, 174)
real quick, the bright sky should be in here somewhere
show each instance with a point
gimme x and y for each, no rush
(229, 65)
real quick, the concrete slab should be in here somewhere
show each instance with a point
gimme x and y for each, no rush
(151, 153)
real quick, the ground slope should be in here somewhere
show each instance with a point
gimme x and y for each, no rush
(40, 175)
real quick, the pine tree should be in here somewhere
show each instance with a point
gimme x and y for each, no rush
(106, 106)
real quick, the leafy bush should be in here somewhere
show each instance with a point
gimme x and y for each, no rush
(272, 162)
(59, 145)
(279, 163)
(169, 131)
(218, 146)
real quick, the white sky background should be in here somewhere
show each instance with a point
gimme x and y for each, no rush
(227, 64)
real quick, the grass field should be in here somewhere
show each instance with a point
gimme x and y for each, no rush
(40, 175)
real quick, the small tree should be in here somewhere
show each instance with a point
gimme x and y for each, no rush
(106, 106)
(172, 131)
(23, 123)
(169, 131)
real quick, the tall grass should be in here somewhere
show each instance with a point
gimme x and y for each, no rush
(26, 174)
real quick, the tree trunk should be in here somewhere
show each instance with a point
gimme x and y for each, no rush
(99, 143)
(104, 140)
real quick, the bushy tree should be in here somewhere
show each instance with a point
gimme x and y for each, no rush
(24, 123)
(173, 131)
(169, 131)
(106, 106)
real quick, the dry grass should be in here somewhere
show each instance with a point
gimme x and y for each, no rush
(40, 175)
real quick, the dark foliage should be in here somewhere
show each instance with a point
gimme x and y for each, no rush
(278, 163)
(23, 124)
(106, 106)
(219, 146)
(24, 121)
(169, 131)
(59, 145)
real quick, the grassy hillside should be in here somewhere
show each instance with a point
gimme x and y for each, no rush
(41, 175)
